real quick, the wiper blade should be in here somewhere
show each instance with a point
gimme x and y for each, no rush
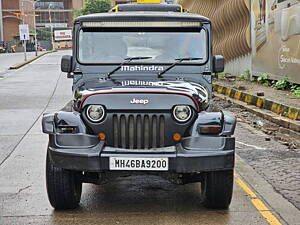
(127, 60)
(177, 61)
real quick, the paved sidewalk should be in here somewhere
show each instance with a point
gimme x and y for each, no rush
(270, 93)
(10, 59)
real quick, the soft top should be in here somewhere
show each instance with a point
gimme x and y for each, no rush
(141, 16)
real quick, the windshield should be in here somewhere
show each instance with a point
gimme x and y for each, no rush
(99, 46)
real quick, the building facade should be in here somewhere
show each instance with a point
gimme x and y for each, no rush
(55, 13)
(257, 37)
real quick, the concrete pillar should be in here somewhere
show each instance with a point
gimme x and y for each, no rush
(1, 22)
(77, 4)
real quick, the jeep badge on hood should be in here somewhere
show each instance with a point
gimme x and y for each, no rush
(139, 101)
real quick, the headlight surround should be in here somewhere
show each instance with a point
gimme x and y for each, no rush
(182, 113)
(95, 113)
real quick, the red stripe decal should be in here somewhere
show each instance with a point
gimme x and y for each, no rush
(155, 92)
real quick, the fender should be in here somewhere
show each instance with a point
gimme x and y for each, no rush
(63, 122)
(223, 118)
(229, 124)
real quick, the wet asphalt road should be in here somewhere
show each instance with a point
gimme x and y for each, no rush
(24, 95)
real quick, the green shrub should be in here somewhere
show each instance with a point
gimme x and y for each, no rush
(281, 84)
(221, 75)
(94, 6)
(245, 75)
(264, 79)
(296, 90)
(241, 78)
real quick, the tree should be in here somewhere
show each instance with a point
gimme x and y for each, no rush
(94, 6)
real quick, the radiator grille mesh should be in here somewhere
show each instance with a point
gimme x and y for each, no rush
(141, 131)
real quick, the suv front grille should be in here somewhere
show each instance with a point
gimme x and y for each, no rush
(138, 131)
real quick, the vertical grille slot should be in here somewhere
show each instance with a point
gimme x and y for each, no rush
(115, 131)
(139, 131)
(146, 131)
(142, 131)
(154, 132)
(131, 131)
(161, 131)
(123, 131)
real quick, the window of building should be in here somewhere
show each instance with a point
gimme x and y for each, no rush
(49, 5)
(56, 17)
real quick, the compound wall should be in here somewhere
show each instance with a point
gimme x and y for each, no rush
(276, 39)
(262, 36)
(231, 29)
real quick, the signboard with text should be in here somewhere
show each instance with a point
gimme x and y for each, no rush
(24, 32)
(56, 25)
(63, 35)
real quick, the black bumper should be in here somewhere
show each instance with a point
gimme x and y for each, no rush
(194, 154)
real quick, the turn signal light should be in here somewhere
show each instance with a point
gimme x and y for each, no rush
(176, 137)
(209, 129)
(102, 136)
(65, 129)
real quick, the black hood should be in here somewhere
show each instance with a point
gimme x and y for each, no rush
(100, 86)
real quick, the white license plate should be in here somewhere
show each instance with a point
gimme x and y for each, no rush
(142, 164)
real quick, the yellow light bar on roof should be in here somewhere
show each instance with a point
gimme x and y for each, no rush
(148, 1)
(142, 24)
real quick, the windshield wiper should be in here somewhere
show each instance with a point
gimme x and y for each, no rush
(127, 60)
(177, 61)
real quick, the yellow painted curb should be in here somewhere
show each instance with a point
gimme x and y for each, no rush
(19, 65)
(260, 102)
(228, 91)
(248, 98)
(293, 114)
(278, 108)
(237, 95)
(220, 89)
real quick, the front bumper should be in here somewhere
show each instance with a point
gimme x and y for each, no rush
(194, 154)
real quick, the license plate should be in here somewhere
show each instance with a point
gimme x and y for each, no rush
(142, 164)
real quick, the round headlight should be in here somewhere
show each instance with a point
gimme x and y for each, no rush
(182, 113)
(95, 113)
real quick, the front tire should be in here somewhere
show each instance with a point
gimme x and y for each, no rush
(217, 188)
(63, 186)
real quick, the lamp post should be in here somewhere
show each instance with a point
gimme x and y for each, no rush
(51, 27)
(35, 30)
(1, 23)
(24, 41)
(34, 22)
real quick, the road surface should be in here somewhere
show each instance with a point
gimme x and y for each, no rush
(40, 87)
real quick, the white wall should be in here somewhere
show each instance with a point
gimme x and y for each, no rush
(239, 65)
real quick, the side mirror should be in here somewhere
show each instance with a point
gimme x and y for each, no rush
(218, 64)
(66, 64)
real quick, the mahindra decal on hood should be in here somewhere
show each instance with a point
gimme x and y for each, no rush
(141, 68)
